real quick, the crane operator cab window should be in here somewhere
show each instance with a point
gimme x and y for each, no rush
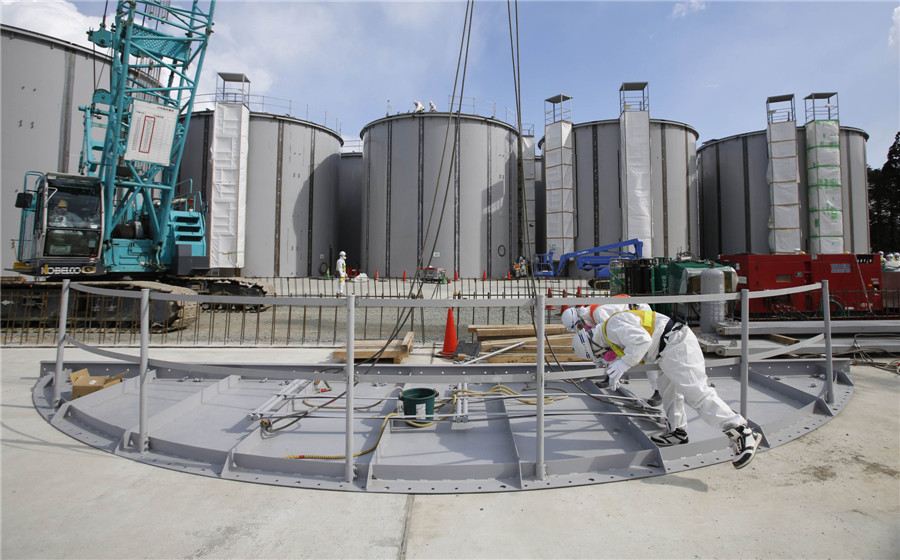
(73, 220)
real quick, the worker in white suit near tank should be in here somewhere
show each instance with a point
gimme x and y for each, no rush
(638, 335)
(589, 316)
(342, 271)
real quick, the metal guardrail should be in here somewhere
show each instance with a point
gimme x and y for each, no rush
(349, 304)
(298, 318)
(272, 105)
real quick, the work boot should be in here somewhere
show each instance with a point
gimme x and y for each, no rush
(655, 400)
(671, 437)
(744, 441)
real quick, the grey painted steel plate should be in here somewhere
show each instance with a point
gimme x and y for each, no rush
(206, 420)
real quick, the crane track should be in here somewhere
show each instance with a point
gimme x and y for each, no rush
(38, 303)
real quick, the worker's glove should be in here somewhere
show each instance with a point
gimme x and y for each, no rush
(615, 371)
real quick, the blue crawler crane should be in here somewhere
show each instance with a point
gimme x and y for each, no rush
(596, 259)
(124, 215)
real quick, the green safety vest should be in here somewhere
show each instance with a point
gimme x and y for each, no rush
(648, 321)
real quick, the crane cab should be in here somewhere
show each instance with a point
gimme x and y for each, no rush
(61, 226)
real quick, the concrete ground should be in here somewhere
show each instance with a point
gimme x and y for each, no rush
(833, 493)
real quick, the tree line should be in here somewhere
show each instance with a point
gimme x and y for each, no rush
(884, 202)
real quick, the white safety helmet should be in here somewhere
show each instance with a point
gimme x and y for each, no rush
(584, 346)
(570, 319)
(342, 254)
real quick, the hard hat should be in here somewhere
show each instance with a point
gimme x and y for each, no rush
(583, 346)
(342, 254)
(62, 204)
(570, 319)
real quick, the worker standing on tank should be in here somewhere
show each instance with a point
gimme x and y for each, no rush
(342, 271)
(638, 335)
(589, 316)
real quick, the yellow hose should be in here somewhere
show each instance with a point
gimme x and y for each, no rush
(360, 454)
(361, 407)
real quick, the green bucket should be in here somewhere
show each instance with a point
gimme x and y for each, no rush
(419, 402)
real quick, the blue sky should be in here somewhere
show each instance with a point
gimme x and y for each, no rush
(710, 64)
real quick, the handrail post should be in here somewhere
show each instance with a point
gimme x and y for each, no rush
(145, 342)
(61, 343)
(539, 375)
(745, 349)
(351, 334)
(829, 364)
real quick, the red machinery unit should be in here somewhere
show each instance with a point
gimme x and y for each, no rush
(854, 282)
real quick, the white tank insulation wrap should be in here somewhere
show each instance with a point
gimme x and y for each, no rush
(783, 176)
(823, 164)
(228, 201)
(530, 209)
(560, 187)
(637, 195)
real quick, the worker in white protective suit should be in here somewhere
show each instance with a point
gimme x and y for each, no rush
(639, 335)
(589, 316)
(342, 271)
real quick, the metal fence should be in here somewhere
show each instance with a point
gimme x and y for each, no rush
(297, 313)
(301, 312)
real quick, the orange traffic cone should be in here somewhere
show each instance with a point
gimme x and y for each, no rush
(450, 342)
(508, 277)
(455, 276)
(578, 293)
(404, 275)
(376, 274)
(484, 275)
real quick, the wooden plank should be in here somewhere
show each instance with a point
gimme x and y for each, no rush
(530, 347)
(780, 338)
(511, 331)
(530, 342)
(397, 350)
(408, 341)
(523, 358)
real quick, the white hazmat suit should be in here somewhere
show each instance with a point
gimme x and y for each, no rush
(342, 271)
(593, 315)
(647, 336)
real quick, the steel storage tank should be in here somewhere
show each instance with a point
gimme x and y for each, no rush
(479, 230)
(349, 209)
(734, 194)
(675, 221)
(44, 80)
(292, 185)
